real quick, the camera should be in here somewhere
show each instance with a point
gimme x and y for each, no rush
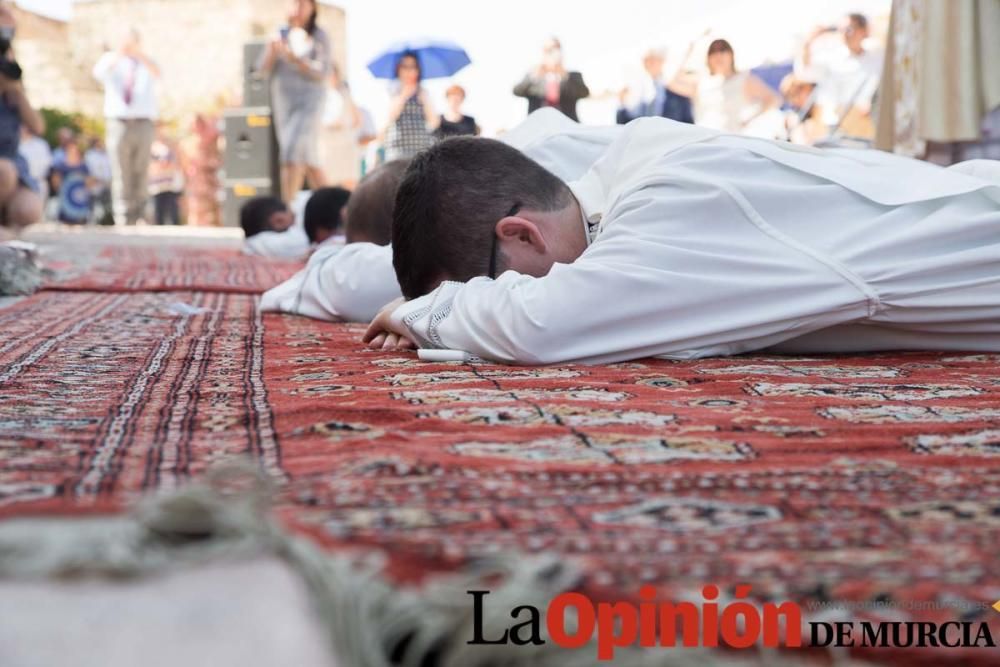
(8, 67)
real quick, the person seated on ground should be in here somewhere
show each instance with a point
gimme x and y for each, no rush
(20, 204)
(71, 181)
(354, 282)
(684, 242)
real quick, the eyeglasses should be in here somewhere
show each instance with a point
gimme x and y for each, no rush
(493, 250)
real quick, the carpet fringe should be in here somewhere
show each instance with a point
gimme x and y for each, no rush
(371, 623)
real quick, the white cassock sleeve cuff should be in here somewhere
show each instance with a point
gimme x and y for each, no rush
(422, 316)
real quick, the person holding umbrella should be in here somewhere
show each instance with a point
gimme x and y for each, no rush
(412, 119)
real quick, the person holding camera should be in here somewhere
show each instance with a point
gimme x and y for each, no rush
(20, 204)
(550, 84)
(129, 79)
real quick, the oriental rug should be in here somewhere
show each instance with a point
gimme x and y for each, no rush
(859, 487)
(135, 268)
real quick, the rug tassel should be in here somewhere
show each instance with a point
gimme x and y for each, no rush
(371, 623)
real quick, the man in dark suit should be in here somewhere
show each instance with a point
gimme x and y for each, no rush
(655, 99)
(550, 85)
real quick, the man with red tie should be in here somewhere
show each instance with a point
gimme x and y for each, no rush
(129, 78)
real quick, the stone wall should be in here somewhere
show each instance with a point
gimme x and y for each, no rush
(42, 48)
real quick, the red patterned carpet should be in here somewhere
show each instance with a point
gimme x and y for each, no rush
(860, 479)
(133, 268)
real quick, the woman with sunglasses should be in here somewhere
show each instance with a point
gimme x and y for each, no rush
(412, 119)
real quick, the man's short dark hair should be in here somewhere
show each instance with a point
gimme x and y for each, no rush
(256, 213)
(860, 21)
(449, 202)
(369, 212)
(323, 211)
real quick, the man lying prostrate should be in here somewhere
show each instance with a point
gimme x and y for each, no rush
(272, 230)
(686, 243)
(265, 214)
(325, 214)
(352, 283)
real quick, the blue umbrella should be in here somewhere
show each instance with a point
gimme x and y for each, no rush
(438, 59)
(773, 73)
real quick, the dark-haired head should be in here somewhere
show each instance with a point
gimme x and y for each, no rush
(408, 69)
(469, 207)
(303, 14)
(721, 58)
(264, 214)
(369, 211)
(323, 215)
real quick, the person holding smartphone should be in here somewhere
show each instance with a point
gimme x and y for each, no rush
(299, 61)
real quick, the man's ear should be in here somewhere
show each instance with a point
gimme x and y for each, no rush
(523, 232)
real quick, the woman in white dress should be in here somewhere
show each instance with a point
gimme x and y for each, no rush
(724, 99)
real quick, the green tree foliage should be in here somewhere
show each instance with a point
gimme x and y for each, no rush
(85, 126)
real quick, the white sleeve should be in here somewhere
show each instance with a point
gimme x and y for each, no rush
(987, 170)
(680, 271)
(340, 283)
(289, 244)
(103, 67)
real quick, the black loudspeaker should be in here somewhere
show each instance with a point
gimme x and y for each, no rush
(251, 146)
(250, 160)
(256, 88)
(238, 192)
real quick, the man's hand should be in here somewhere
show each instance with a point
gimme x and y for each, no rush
(382, 335)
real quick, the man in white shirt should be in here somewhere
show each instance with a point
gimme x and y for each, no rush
(682, 242)
(130, 109)
(352, 282)
(848, 76)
